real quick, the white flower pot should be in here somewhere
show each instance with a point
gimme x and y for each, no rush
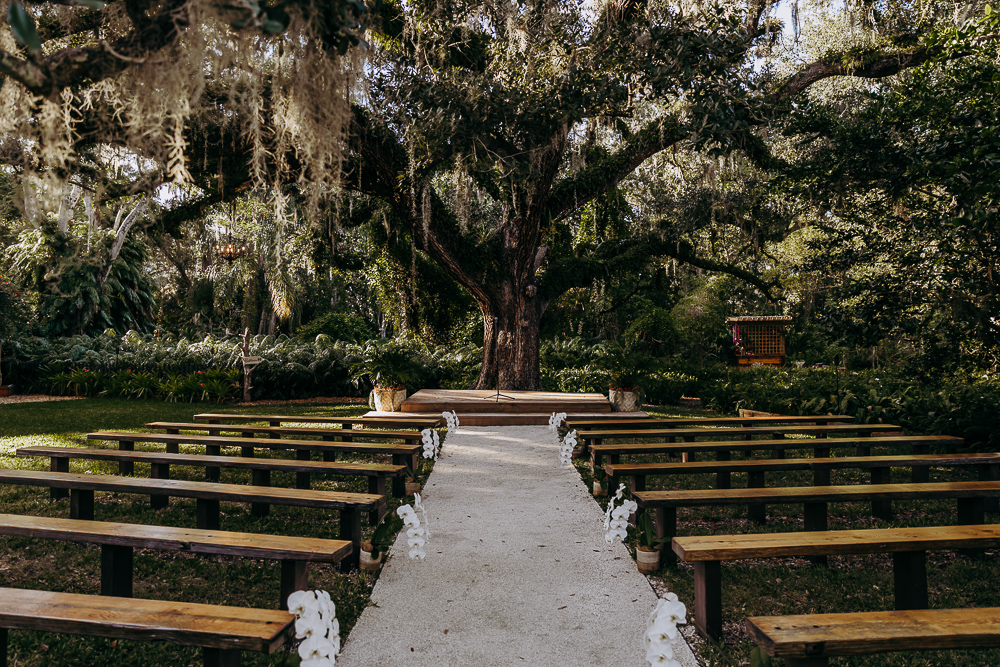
(389, 400)
(368, 563)
(647, 561)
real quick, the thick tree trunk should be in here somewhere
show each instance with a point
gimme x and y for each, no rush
(510, 340)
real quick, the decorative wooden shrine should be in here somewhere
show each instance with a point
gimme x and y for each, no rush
(759, 339)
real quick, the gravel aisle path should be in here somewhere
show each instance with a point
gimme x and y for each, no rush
(517, 570)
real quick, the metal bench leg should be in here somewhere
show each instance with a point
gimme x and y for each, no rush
(58, 464)
(260, 478)
(398, 482)
(208, 514)
(971, 511)
(294, 577)
(708, 598)
(302, 479)
(816, 519)
(126, 467)
(116, 571)
(81, 504)
(724, 479)
(881, 509)
(212, 473)
(222, 657)
(665, 524)
(159, 471)
(350, 529)
(910, 579)
(756, 512)
(376, 485)
(989, 472)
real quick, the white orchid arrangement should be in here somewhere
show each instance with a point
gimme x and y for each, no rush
(661, 630)
(566, 451)
(616, 518)
(432, 441)
(556, 419)
(417, 534)
(316, 624)
(452, 419)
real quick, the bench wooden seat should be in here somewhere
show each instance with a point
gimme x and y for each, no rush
(223, 632)
(118, 540)
(261, 468)
(590, 438)
(344, 422)
(723, 448)
(677, 422)
(970, 497)
(879, 467)
(908, 546)
(401, 454)
(811, 640)
(327, 434)
(207, 494)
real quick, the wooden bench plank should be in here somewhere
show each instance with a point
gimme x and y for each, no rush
(812, 639)
(345, 422)
(677, 422)
(970, 497)
(161, 462)
(294, 553)
(402, 454)
(724, 448)
(213, 627)
(589, 438)
(328, 434)
(908, 546)
(207, 494)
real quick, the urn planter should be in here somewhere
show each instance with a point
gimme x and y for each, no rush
(389, 400)
(624, 400)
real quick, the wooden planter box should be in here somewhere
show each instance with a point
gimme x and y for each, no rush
(6, 390)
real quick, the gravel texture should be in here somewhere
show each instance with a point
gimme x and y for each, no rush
(517, 571)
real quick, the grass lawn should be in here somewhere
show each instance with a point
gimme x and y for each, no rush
(849, 583)
(74, 567)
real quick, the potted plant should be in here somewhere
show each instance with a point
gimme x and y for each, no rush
(625, 367)
(12, 313)
(374, 549)
(647, 551)
(388, 367)
(600, 482)
(413, 485)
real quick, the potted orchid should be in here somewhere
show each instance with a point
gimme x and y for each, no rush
(374, 549)
(647, 551)
(600, 482)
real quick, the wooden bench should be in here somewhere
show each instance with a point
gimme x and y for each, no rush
(207, 494)
(223, 632)
(261, 469)
(969, 495)
(723, 448)
(879, 466)
(419, 423)
(326, 434)
(595, 437)
(676, 422)
(118, 540)
(908, 546)
(401, 454)
(811, 640)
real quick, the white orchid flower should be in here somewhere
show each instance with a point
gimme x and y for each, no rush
(661, 654)
(310, 625)
(662, 631)
(416, 531)
(326, 605)
(615, 533)
(315, 647)
(417, 553)
(318, 662)
(303, 603)
(416, 541)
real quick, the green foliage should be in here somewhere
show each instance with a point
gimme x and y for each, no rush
(336, 327)
(388, 364)
(758, 658)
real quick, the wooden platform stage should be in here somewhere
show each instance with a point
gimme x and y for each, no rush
(483, 408)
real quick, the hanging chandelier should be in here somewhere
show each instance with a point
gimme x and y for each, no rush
(232, 250)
